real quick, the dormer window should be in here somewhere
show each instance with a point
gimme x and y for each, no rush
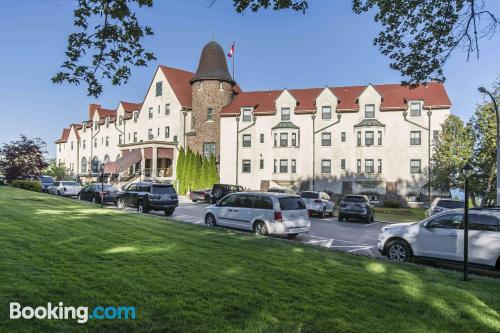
(285, 114)
(369, 111)
(246, 114)
(107, 122)
(84, 127)
(96, 125)
(326, 112)
(415, 109)
(136, 116)
(159, 88)
(120, 120)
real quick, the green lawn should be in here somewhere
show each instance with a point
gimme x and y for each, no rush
(186, 278)
(395, 215)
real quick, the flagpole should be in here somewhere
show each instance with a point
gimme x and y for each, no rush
(233, 62)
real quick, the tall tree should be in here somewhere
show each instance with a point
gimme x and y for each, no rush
(179, 168)
(22, 158)
(55, 170)
(417, 35)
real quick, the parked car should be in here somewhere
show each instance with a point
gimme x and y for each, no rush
(67, 188)
(200, 195)
(281, 190)
(263, 213)
(46, 182)
(219, 191)
(148, 196)
(441, 236)
(356, 207)
(318, 203)
(441, 204)
(2, 180)
(94, 192)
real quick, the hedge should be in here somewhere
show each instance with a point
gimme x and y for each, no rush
(31, 185)
(392, 204)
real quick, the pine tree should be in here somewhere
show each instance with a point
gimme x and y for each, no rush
(197, 172)
(179, 170)
(214, 176)
(204, 183)
(188, 169)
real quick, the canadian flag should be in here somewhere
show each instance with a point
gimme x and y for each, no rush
(231, 51)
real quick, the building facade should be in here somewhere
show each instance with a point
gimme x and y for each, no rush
(372, 139)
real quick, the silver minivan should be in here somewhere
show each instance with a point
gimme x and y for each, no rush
(264, 213)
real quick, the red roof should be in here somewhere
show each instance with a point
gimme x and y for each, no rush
(179, 81)
(76, 127)
(64, 136)
(394, 97)
(130, 107)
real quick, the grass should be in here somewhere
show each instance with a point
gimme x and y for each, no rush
(395, 215)
(186, 278)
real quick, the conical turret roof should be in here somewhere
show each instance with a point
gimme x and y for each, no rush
(212, 65)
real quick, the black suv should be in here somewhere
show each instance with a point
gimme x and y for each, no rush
(148, 196)
(357, 207)
(219, 191)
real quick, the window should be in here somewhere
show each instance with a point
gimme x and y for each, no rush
(221, 87)
(159, 110)
(247, 140)
(167, 109)
(119, 139)
(415, 166)
(136, 116)
(84, 165)
(71, 145)
(261, 140)
(342, 164)
(107, 122)
(247, 115)
(107, 141)
(369, 111)
(210, 114)
(369, 138)
(158, 132)
(342, 136)
(294, 166)
(175, 138)
(135, 137)
(208, 149)
(379, 133)
(264, 203)
(275, 168)
(358, 134)
(379, 166)
(294, 139)
(448, 221)
(483, 222)
(95, 143)
(150, 134)
(283, 166)
(415, 138)
(415, 109)
(369, 166)
(358, 166)
(167, 132)
(261, 164)
(435, 135)
(326, 139)
(283, 139)
(150, 113)
(120, 120)
(326, 166)
(285, 114)
(159, 89)
(275, 139)
(84, 144)
(326, 112)
(96, 125)
(246, 166)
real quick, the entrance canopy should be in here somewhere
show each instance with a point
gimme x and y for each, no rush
(129, 158)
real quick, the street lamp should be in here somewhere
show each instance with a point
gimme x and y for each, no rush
(467, 172)
(313, 117)
(102, 184)
(483, 90)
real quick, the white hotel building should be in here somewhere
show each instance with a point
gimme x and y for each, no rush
(372, 139)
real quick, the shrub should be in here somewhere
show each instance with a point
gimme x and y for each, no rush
(30, 185)
(392, 204)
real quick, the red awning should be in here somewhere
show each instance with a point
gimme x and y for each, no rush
(110, 167)
(129, 158)
(166, 153)
(148, 153)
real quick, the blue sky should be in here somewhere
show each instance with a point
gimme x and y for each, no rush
(329, 45)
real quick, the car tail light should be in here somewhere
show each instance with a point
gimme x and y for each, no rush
(317, 201)
(278, 217)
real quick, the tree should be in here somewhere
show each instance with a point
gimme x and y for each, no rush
(204, 182)
(197, 172)
(418, 36)
(213, 173)
(57, 171)
(22, 158)
(179, 168)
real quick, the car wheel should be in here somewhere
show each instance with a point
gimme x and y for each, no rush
(210, 220)
(140, 208)
(120, 204)
(398, 250)
(169, 212)
(291, 236)
(260, 229)
(194, 200)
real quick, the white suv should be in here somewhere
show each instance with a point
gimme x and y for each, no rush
(441, 236)
(263, 213)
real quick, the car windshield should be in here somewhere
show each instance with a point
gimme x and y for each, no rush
(353, 199)
(309, 195)
(107, 187)
(69, 184)
(451, 204)
(46, 179)
(163, 190)
(291, 203)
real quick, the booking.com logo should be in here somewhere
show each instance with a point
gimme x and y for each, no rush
(81, 314)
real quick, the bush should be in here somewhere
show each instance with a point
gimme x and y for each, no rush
(392, 204)
(30, 185)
